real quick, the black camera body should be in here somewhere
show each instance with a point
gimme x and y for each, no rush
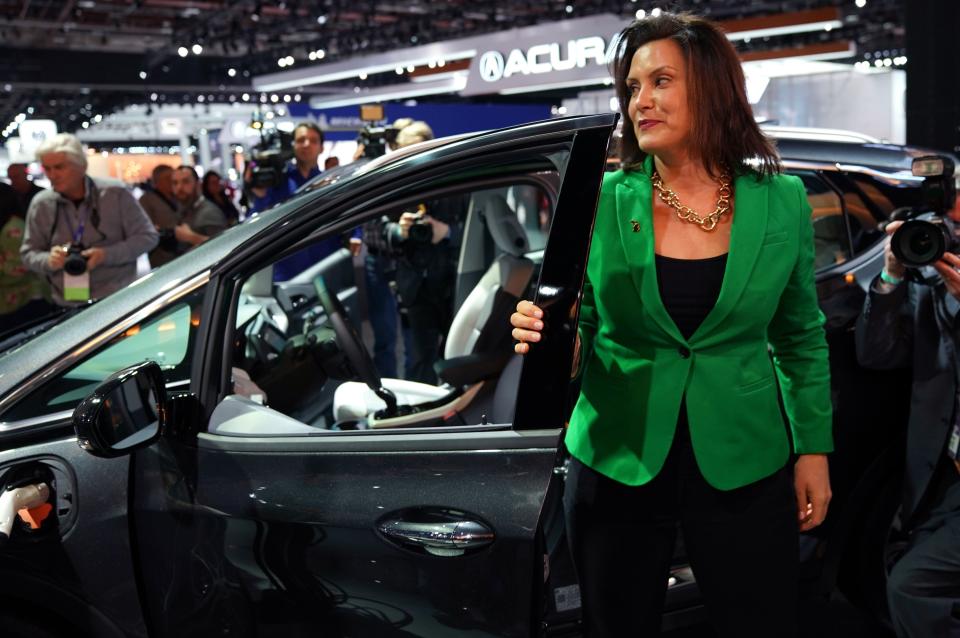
(375, 140)
(927, 233)
(75, 263)
(269, 159)
(420, 232)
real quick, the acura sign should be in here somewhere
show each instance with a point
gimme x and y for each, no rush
(543, 58)
(576, 51)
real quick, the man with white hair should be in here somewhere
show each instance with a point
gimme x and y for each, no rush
(85, 234)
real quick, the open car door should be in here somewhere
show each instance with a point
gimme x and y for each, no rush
(430, 528)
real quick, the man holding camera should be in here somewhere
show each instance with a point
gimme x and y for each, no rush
(84, 235)
(911, 324)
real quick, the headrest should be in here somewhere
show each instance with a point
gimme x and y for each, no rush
(504, 226)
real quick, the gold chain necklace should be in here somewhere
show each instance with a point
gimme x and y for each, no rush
(686, 213)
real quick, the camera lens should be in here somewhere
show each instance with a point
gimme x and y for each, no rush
(919, 243)
(75, 264)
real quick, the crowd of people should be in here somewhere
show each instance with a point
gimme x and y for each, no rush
(81, 239)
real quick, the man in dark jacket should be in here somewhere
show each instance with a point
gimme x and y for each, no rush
(904, 324)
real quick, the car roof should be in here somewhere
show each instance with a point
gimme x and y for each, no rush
(849, 148)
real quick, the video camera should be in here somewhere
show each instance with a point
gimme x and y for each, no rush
(269, 159)
(375, 139)
(927, 233)
(375, 136)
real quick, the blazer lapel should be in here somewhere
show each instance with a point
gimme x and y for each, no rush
(746, 238)
(635, 208)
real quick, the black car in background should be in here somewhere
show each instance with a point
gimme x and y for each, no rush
(249, 473)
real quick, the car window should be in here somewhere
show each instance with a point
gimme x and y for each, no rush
(166, 337)
(831, 243)
(429, 298)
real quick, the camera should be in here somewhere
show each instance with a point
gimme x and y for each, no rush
(420, 232)
(269, 159)
(927, 233)
(76, 263)
(375, 140)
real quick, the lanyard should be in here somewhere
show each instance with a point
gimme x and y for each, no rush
(78, 232)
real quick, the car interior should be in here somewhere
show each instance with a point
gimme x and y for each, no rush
(302, 348)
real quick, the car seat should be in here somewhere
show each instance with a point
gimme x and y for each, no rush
(478, 343)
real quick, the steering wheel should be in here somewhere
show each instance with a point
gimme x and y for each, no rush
(351, 343)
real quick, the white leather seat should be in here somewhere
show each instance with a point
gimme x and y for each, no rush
(480, 327)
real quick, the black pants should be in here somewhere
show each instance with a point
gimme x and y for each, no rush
(742, 545)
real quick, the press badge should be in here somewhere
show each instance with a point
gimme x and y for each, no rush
(76, 287)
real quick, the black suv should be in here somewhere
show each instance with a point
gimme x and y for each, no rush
(250, 473)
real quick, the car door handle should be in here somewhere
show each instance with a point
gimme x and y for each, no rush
(440, 538)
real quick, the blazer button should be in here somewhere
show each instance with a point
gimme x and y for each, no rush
(684, 353)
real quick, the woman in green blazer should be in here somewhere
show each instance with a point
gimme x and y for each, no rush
(701, 267)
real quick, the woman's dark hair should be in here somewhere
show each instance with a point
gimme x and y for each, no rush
(206, 183)
(725, 134)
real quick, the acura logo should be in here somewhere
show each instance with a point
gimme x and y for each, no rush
(545, 58)
(491, 66)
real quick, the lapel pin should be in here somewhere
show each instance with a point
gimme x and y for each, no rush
(636, 225)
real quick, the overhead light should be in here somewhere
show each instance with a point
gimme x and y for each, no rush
(568, 9)
(286, 98)
(860, 3)
(641, 14)
(153, 97)
(387, 93)
(290, 60)
(655, 13)
(245, 97)
(362, 76)
(378, 63)
(282, 62)
(783, 24)
(312, 55)
(197, 49)
(320, 53)
(232, 72)
(143, 75)
(549, 86)
(182, 52)
(321, 19)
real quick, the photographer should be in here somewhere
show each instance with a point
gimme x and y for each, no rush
(307, 144)
(911, 324)
(85, 234)
(425, 245)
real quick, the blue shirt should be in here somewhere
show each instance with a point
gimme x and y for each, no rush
(296, 263)
(294, 179)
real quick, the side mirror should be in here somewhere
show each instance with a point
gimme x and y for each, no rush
(126, 412)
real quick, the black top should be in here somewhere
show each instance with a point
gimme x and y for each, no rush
(689, 288)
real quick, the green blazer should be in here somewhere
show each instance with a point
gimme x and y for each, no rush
(637, 367)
